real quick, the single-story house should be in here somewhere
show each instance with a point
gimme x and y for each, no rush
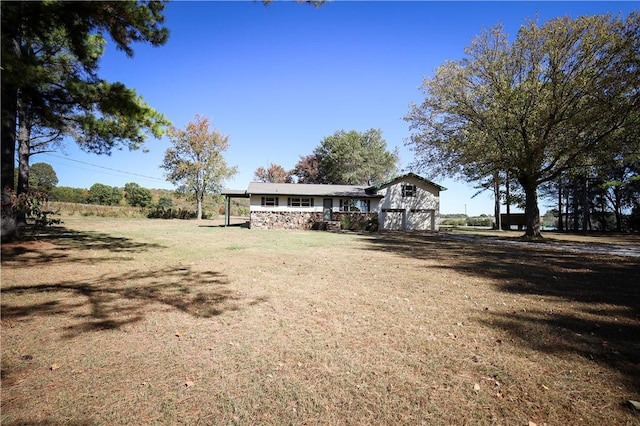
(408, 202)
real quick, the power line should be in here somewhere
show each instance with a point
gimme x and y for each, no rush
(106, 168)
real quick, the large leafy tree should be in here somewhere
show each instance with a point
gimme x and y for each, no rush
(42, 177)
(195, 162)
(534, 107)
(352, 158)
(275, 173)
(137, 196)
(50, 58)
(306, 169)
(105, 195)
(69, 194)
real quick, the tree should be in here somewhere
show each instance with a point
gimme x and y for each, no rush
(105, 195)
(69, 195)
(165, 203)
(352, 158)
(275, 173)
(195, 161)
(534, 107)
(137, 196)
(50, 54)
(306, 170)
(42, 177)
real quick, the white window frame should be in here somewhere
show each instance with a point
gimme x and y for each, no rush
(357, 205)
(300, 201)
(269, 201)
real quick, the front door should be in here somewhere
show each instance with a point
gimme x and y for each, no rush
(327, 206)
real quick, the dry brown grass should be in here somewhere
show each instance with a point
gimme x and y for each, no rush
(163, 322)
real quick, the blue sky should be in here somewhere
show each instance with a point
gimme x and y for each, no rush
(279, 79)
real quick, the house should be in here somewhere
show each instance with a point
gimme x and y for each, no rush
(408, 202)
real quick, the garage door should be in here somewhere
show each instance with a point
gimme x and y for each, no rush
(392, 219)
(420, 220)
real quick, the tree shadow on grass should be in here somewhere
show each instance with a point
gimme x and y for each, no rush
(57, 243)
(599, 321)
(112, 301)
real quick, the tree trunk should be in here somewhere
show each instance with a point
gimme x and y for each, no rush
(576, 207)
(560, 223)
(585, 204)
(8, 226)
(199, 204)
(508, 200)
(9, 107)
(566, 208)
(531, 211)
(496, 195)
(23, 162)
(617, 208)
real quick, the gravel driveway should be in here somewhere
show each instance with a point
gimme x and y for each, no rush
(608, 249)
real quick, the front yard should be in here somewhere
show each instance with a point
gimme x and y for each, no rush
(136, 321)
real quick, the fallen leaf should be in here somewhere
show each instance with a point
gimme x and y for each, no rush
(532, 423)
(476, 387)
(634, 404)
(54, 367)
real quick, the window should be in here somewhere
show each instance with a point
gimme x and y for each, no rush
(299, 202)
(269, 202)
(354, 205)
(408, 190)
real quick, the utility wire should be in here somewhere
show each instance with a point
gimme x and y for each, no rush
(102, 167)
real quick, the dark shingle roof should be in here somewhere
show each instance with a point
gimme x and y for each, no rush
(303, 189)
(399, 178)
(320, 190)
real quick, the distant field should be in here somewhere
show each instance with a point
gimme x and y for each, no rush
(137, 321)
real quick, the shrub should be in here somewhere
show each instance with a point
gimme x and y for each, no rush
(454, 222)
(480, 221)
(34, 205)
(359, 222)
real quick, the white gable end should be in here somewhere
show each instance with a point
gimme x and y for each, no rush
(409, 204)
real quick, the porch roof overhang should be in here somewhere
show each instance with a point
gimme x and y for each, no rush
(228, 195)
(235, 193)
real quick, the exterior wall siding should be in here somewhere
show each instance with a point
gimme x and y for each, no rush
(394, 211)
(255, 204)
(409, 213)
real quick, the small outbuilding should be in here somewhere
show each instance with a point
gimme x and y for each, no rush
(408, 202)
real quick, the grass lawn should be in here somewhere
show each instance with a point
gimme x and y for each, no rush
(137, 321)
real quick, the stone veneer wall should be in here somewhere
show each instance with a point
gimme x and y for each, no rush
(285, 220)
(302, 220)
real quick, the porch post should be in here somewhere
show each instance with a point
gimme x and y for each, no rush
(227, 208)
